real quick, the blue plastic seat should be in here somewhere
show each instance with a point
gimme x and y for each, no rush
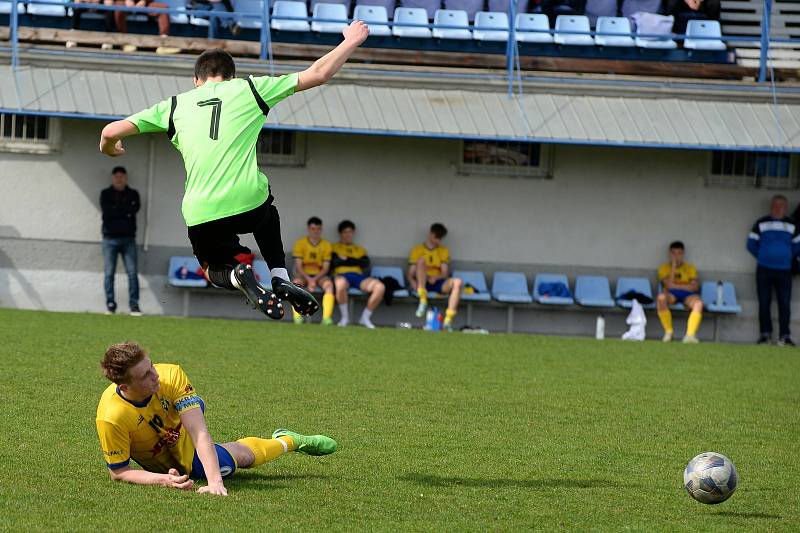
(411, 15)
(593, 291)
(511, 287)
(451, 17)
(654, 42)
(551, 300)
(5, 7)
(490, 26)
(329, 11)
(708, 292)
(191, 264)
(387, 5)
(470, 6)
(179, 18)
(613, 31)
(640, 285)
(533, 28)
(253, 8)
(703, 28)
(288, 8)
(573, 23)
(476, 279)
(345, 3)
(376, 18)
(46, 10)
(262, 273)
(430, 6)
(392, 272)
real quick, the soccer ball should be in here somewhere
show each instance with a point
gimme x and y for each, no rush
(710, 478)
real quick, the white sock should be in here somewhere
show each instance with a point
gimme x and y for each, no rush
(365, 319)
(280, 273)
(234, 281)
(345, 312)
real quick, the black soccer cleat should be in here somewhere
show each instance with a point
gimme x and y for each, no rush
(257, 296)
(302, 300)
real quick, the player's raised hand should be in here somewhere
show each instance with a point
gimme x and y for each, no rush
(213, 488)
(111, 148)
(178, 481)
(356, 32)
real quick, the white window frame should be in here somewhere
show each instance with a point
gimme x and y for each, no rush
(33, 146)
(543, 171)
(743, 181)
(297, 159)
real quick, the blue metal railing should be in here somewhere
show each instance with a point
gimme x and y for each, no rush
(512, 50)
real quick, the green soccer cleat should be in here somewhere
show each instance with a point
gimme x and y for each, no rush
(308, 444)
(327, 321)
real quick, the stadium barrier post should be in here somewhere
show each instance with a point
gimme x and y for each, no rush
(511, 46)
(264, 35)
(765, 29)
(14, 37)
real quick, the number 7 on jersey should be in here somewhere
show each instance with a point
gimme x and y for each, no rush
(215, 115)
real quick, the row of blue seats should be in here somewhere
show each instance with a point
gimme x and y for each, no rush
(512, 287)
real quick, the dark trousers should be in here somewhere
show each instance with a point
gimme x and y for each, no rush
(768, 279)
(216, 243)
(126, 247)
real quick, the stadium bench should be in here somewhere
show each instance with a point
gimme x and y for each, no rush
(451, 17)
(490, 26)
(254, 8)
(728, 305)
(640, 285)
(376, 18)
(392, 272)
(532, 28)
(411, 15)
(593, 291)
(510, 288)
(287, 8)
(572, 23)
(609, 30)
(540, 298)
(329, 11)
(703, 28)
(470, 6)
(477, 280)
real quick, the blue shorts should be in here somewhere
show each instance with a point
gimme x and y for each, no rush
(227, 464)
(680, 294)
(436, 286)
(354, 279)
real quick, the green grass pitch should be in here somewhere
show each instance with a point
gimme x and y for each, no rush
(440, 432)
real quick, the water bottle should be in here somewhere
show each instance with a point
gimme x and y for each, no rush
(430, 318)
(600, 328)
(436, 324)
(720, 298)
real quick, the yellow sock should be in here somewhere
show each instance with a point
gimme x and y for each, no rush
(695, 317)
(267, 449)
(297, 316)
(423, 294)
(448, 315)
(666, 320)
(327, 305)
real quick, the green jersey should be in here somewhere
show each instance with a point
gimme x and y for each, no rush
(215, 127)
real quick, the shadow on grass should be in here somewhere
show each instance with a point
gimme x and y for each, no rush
(441, 481)
(734, 514)
(259, 481)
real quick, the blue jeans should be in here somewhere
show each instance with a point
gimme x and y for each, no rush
(126, 246)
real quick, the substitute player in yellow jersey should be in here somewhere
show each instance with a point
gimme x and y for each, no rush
(429, 271)
(679, 281)
(312, 263)
(152, 414)
(350, 263)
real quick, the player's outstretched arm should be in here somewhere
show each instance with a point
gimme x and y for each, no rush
(328, 65)
(112, 135)
(143, 477)
(195, 424)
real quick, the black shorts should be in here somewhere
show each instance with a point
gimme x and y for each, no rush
(216, 243)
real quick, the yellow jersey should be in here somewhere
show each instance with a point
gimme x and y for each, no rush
(434, 259)
(684, 274)
(150, 432)
(348, 251)
(312, 256)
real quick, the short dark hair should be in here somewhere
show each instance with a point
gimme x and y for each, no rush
(780, 197)
(344, 224)
(438, 230)
(119, 359)
(314, 220)
(214, 62)
(676, 245)
(118, 169)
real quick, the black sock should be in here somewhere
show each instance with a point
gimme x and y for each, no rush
(221, 277)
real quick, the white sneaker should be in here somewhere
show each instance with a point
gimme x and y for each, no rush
(667, 337)
(690, 339)
(106, 46)
(421, 308)
(70, 44)
(128, 48)
(343, 323)
(367, 323)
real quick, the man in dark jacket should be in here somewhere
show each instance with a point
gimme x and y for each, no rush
(774, 241)
(120, 204)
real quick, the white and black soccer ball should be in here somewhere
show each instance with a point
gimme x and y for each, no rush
(710, 478)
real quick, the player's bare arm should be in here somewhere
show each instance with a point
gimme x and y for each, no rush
(112, 135)
(142, 477)
(195, 424)
(328, 65)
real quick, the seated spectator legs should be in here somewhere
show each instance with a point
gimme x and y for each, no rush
(222, 6)
(371, 286)
(121, 17)
(108, 20)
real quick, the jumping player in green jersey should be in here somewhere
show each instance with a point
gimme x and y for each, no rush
(215, 127)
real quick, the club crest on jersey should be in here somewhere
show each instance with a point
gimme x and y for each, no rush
(164, 404)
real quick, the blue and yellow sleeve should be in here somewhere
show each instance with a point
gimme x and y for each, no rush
(115, 443)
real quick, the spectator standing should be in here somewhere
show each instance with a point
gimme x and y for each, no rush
(120, 204)
(774, 241)
(429, 271)
(679, 285)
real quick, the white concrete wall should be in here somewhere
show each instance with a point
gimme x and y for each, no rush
(605, 207)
